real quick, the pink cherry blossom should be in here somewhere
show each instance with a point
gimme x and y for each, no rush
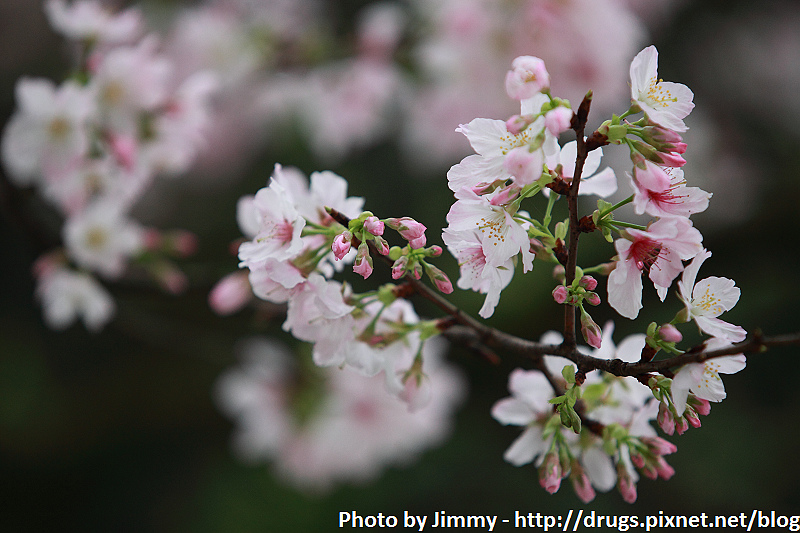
(474, 272)
(657, 251)
(675, 199)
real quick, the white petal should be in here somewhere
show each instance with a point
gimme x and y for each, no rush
(526, 447)
(513, 412)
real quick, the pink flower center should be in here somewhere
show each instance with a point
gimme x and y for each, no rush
(644, 253)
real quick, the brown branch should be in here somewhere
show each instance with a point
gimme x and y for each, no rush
(578, 125)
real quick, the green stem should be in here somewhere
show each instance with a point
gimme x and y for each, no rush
(631, 225)
(616, 206)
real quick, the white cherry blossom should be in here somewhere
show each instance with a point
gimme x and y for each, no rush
(709, 298)
(665, 103)
(702, 379)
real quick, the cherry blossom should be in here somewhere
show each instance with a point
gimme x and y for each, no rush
(279, 227)
(103, 238)
(90, 21)
(657, 251)
(502, 237)
(665, 103)
(67, 296)
(475, 274)
(702, 379)
(675, 199)
(48, 133)
(707, 299)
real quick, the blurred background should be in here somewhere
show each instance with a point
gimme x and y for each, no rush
(120, 430)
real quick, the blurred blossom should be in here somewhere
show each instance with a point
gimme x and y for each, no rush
(323, 427)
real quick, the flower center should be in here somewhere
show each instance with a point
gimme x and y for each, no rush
(657, 95)
(492, 229)
(644, 253)
(59, 128)
(96, 238)
(709, 302)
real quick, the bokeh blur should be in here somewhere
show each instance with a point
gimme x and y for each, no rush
(121, 429)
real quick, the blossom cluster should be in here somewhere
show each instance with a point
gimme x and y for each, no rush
(593, 427)
(295, 248)
(135, 108)
(518, 159)
(92, 146)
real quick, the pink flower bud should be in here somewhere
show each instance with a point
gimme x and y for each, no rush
(439, 279)
(516, 124)
(670, 333)
(665, 420)
(184, 243)
(637, 459)
(664, 469)
(525, 165)
(505, 196)
(410, 230)
(560, 294)
(581, 483)
(660, 446)
(625, 485)
(702, 407)
(435, 250)
(363, 263)
(558, 120)
(593, 298)
(681, 425)
(692, 418)
(341, 245)
(231, 294)
(374, 226)
(381, 245)
(591, 331)
(588, 283)
(671, 159)
(173, 280)
(550, 473)
(399, 267)
(527, 77)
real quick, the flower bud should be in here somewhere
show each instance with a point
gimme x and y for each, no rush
(341, 245)
(670, 159)
(550, 473)
(590, 330)
(681, 425)
(625, 484)
(665, 419)
(363, 263)
(588, 283)
(525, 165)
(439, 279)
(670, 333)
(517, 124)
(558, 120)
(230, 294)
(593, 298)
(374, 226)
(527, 77)
(581, 483)
(560, 294)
